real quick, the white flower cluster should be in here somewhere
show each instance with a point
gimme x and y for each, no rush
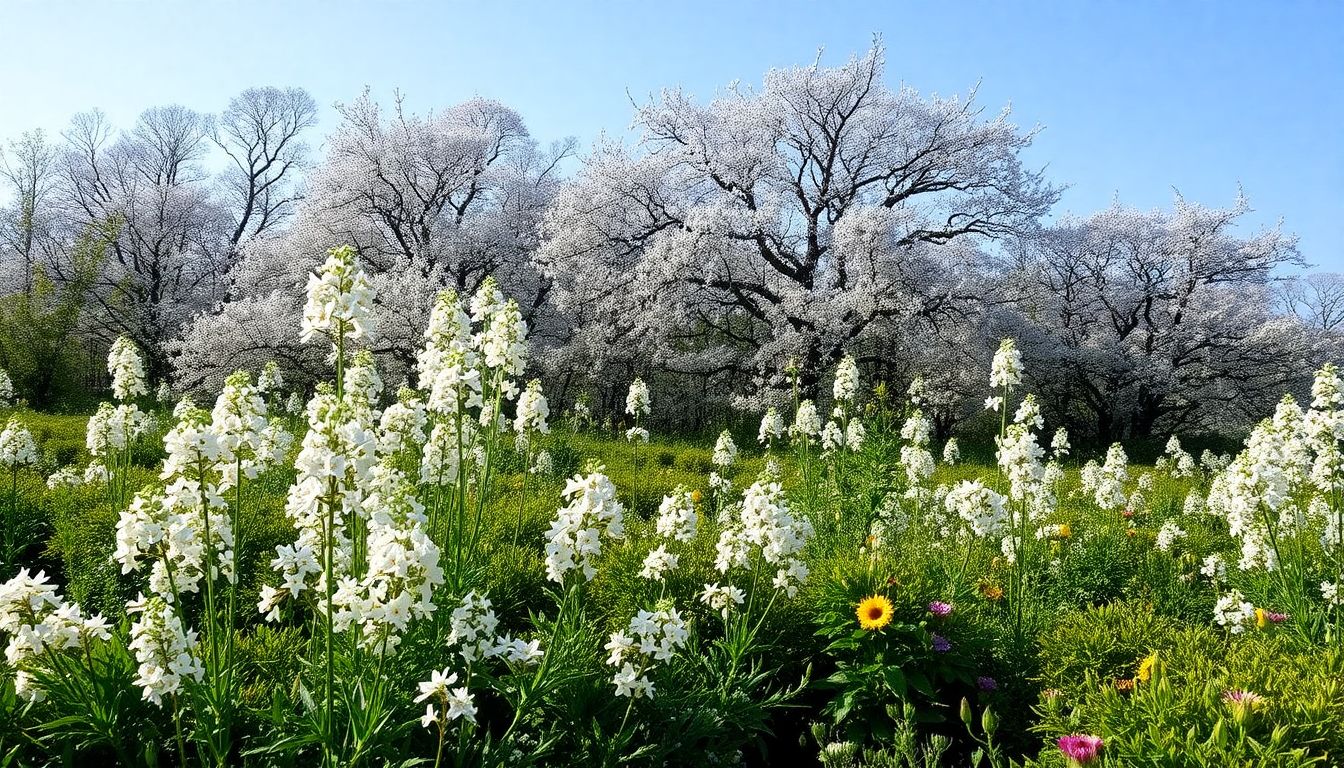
(1333, 592)
(38, 622)
(1029, 413)
(340, 299)
(915, 456)
(1233, 612)
(401, 429)
(677, 518)
(127, 370)
(1006, 369)
(637, 400)
(772, 427)
(725, 450)
(983, 509)
(722, 598)
(855, 435)
(951, 452)
(168, 528)
(532, 411)
(766, 525)
(17, 447)
(502, 342)
(6, 389)
(1019, 456)
(440, 461)
(184, 528)
(334, 465)
(455, 702)
(447, 364)
(165, 649)
(637, 435)
(658, 563)
(1214, 569)
(652, 637)
(1176, 460)
(65, 477)
(402, 569)
(112, 429)
(846, 380)
(1106, 482)
(806, 422)
(575, 536)
(1259, 484)
(247, 442)
(1059, 444)
(270, 380)
(473, 632)
(1168, 534)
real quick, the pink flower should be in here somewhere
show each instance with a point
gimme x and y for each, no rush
(939, 608)
(1079, 748)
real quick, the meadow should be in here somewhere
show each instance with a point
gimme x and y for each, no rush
(450, 574)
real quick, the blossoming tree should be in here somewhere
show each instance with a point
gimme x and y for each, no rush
(794, 220)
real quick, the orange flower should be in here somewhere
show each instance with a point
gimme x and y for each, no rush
(1124, 684)
(991, 591)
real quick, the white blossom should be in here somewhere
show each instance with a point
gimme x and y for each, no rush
(340, 299)
(127, 369)
(637, 401)
(17, 447)
(574, 540)
(846, 380)
(725, 450)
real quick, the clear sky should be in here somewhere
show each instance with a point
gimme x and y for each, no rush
(1136, 98)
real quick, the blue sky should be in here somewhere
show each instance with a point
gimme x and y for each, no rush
(1136, 98)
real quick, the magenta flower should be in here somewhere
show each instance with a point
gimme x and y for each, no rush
(941, 644)
(940, 609)
(1242, 697)
(1080, 749)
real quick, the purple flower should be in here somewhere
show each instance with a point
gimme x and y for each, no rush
(1080, 749)
(941, 644)
(986, 683)
(940, 609)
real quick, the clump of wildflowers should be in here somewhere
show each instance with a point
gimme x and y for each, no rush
(574, 540)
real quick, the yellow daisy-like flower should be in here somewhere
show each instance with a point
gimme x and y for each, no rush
(1145, 672)
(1261, 618)
(874, 612)
(1065, 531)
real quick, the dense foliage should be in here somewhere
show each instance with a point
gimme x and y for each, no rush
(452, 574)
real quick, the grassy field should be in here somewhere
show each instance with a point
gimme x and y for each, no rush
(1100, 623)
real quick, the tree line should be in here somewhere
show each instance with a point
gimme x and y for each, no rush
(739, 247)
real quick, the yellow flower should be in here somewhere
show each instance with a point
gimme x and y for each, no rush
(697, 496)
(1145, 672)
(1261, 618)
(874, 612)
(1065, 531)
(991, 591)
